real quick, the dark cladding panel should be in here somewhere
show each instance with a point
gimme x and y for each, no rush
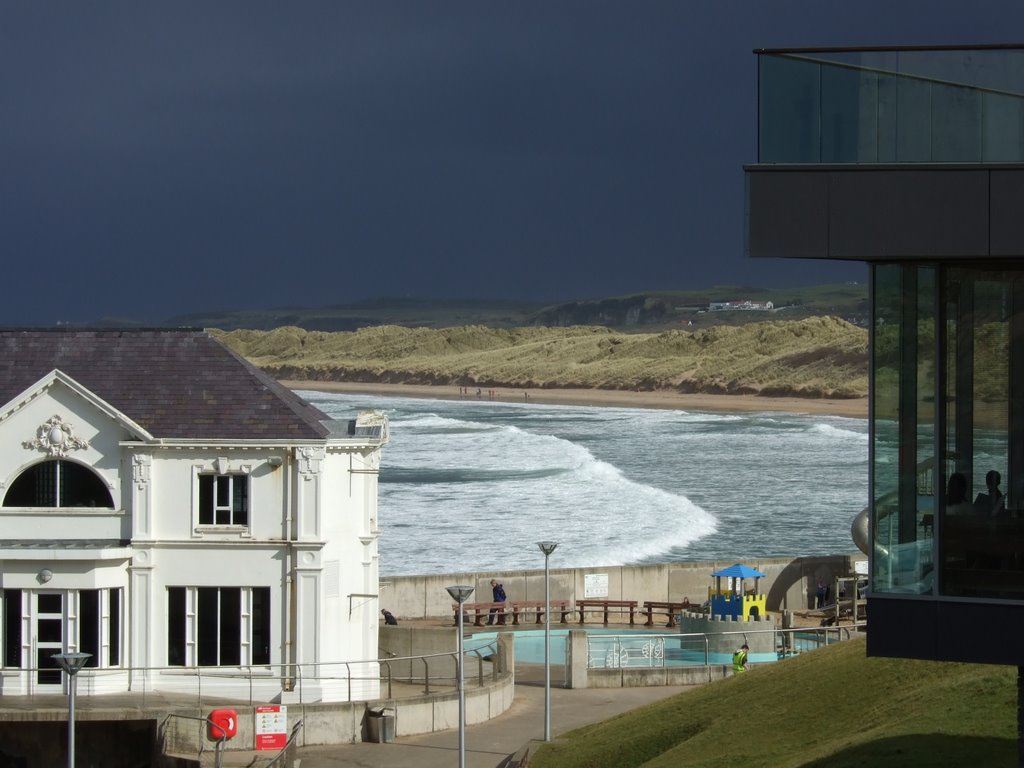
(787, 214)
(929, 214)
(1007, 219)
(902, 629)
(940, 630)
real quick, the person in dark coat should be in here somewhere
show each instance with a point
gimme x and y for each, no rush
(498, 594)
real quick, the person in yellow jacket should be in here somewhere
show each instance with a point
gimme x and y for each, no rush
(739, 660)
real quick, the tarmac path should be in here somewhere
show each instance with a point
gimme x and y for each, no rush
(489, 744)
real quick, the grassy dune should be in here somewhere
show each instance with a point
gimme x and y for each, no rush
(815, 357)
(832, 707)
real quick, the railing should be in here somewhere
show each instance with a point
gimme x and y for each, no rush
(218, 757)
(694, 648)
(281, 758)
(481, 653)
(260, 684)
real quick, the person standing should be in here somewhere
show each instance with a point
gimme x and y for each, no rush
(498, 595)
(821, 595)
(739, 660)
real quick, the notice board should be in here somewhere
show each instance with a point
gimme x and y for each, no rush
(271, 727)
(595, 585)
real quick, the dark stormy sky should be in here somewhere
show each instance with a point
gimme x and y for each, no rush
(163, 158)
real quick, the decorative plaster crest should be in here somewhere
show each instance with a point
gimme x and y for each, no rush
(309, 460)
(141, 465)
(56, 437)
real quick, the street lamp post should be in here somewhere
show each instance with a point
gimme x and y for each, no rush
(547, 547)
(71, 663)
(460, 593)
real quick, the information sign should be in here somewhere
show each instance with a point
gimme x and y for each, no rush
(595, 585)
(271, 727)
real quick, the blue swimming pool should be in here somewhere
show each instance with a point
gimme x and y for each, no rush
(619, 648)
(613, 647)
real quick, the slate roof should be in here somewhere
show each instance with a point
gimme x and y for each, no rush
(176, 383)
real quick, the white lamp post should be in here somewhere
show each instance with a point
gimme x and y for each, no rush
(71, 663)
(547, 547)
(460, 593)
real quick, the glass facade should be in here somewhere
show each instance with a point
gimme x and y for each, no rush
(888, 106)
(948, 433)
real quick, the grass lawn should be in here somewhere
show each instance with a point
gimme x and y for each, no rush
(832, 707)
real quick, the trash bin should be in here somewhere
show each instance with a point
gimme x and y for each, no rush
(380, 725)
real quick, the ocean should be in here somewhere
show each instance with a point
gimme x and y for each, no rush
(473, 484)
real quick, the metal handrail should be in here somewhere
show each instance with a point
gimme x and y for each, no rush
(289, 676)
(218, 754)
(280, 756)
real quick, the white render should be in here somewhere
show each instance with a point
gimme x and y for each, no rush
(311, 538)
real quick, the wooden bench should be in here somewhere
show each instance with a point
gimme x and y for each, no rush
(620, 606)
(668, 607)
(537, 606)
(481, 611)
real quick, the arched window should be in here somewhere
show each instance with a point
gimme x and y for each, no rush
(58, 483)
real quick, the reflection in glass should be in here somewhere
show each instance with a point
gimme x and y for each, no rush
(878, 106)
(950, 525)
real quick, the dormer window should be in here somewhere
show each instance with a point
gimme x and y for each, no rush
(224, 499)
(58, 483)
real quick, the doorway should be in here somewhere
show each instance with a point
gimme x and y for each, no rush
(48, 631)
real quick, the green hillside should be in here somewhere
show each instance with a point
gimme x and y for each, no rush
(831, 708)
(814, 357)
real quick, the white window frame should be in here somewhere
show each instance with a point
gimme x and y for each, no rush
(219, 472)
(192, 628)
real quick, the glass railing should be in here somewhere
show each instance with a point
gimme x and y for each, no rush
(949, 105)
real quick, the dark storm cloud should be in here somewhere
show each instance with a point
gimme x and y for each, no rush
(165, 158)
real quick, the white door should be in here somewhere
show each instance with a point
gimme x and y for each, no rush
(48, 634)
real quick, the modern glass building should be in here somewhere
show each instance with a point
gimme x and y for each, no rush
(912, 160)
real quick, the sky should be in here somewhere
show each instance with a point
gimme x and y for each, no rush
(158, 159)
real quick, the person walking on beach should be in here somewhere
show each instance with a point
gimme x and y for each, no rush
(739, 660)
(498, 593)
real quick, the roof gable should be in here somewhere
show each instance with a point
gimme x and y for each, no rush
(54, 377)
(173, 383)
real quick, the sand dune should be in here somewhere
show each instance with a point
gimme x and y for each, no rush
(819, 361)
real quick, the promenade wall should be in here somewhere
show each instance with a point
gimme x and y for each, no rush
(789, 583)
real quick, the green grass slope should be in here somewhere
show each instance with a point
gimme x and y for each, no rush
(831, 708)
(813, 357)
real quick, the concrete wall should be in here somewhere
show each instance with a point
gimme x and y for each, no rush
(628, 677)
(345, 722)
(403, 647)
(789, 583)
(726, 634)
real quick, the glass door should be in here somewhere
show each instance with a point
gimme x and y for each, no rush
(48, 633)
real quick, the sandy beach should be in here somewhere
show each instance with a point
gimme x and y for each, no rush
(853, 408)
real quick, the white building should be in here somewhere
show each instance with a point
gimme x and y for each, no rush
(744, 305)
(166, 506)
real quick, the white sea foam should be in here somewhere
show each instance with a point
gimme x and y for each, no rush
(470, 485)
(831, 430)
